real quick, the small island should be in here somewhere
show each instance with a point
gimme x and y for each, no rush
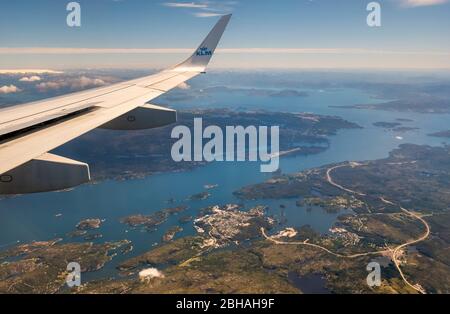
(149, 222)
(89, 224)
(443, 134)
(200, 196)
(387, 125)
(170, 234)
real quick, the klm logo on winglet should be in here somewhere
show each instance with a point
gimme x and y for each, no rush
(204, 51)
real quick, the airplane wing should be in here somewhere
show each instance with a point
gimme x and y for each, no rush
(28, 132)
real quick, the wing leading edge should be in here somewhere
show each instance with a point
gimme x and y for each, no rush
(28, 132)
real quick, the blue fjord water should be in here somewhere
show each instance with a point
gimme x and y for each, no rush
(33, 217)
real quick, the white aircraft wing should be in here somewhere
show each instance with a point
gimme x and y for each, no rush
(28, 132)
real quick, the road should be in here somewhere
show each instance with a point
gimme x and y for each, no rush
(305, 243)
(393, 252)
(330, 179)
(399, 248)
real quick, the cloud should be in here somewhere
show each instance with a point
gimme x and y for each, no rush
(421, 3)
(191, 5)
(71, 83)
(206, 14)
(9, 89)
(84, 82)
(150, 273)
(205, 8)
(69, 51)
(25, 71)
(33, 78)
(184, 86)
(43, 87)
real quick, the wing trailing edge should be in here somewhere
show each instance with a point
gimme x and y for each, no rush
(46, 173)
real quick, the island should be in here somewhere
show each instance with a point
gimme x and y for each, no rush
(149, 222)
(444, 134)
(387, 125)
(418, 104)
(199, 196)
(395, 126)
(89, 224)
(171, 233)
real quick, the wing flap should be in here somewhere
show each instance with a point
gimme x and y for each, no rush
(143, 117)
(46, 173)
(24, 123)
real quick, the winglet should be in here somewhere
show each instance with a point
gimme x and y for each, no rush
(201, 57)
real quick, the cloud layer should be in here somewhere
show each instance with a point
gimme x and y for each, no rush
(27, 71)
(421, 3)
(69, 51)
(204, 8)
(71, 83)
(191, 5)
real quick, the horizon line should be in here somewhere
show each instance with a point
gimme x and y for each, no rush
(19, 71)
(68, 50)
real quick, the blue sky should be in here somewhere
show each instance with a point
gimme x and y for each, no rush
(414, 33)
